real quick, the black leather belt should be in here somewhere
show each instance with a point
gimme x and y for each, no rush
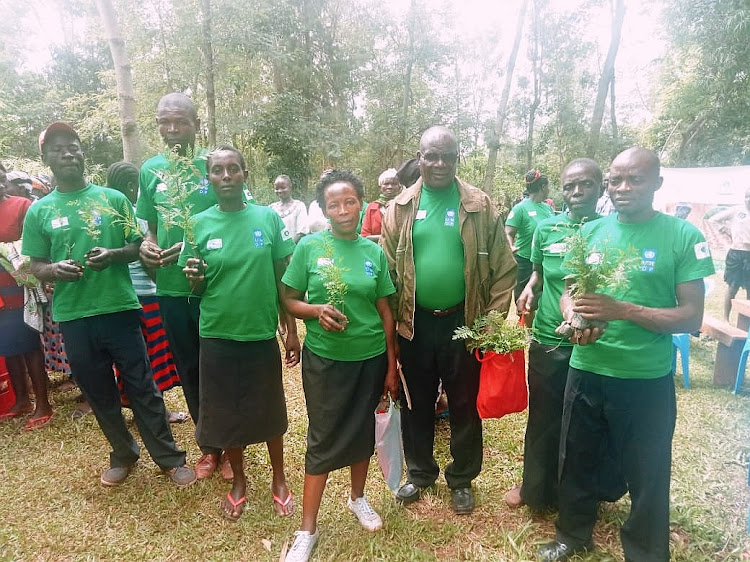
(444, 312)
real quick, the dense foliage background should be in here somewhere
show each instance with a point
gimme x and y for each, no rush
(302, 85)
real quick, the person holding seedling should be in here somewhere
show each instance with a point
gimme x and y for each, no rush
(349, 357)
(82, 236)
(620, 388)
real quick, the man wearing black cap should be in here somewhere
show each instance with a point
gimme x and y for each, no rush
(80, 237)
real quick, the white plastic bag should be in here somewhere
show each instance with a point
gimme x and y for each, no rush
(388, 442)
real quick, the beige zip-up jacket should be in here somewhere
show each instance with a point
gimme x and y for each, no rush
(489, 266)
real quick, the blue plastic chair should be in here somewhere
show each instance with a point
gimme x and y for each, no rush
(681, 343)
(741, 367)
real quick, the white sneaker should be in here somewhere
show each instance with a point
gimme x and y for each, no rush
(365, 513)
(302, 547)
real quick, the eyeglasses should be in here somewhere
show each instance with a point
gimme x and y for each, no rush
(448, 158)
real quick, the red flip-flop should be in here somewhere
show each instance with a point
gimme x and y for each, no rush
(13, 415)
(235, 505)
(287, 505)
(36, 423)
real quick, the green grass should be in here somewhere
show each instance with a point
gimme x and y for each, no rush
(52, 506)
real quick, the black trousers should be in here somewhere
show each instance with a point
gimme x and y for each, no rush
(93, 344)
(430, 356)
(638, 417)
(548, 372)
(180, 317)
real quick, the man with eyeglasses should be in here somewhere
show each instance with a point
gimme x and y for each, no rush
(450, 262)
(620, 388)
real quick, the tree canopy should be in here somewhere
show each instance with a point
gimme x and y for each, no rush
(304, 85)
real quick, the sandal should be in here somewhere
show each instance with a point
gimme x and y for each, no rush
(284, 508)
(237, 506)
(36, 423)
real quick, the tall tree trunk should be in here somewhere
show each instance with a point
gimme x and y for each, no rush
(124, 81)
(536, 65)
(208, 55)
(406, 99)
(608, 74)
(613, 117)
(497, 132)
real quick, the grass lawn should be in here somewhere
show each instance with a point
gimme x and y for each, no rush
(52, 506)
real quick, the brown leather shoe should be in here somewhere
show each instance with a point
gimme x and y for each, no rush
(206, 465)
(225, 468)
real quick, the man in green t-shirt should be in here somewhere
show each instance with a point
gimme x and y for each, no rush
(81, 237)
(178, 123)
(450, 262)
(549, 353)
(620, 387)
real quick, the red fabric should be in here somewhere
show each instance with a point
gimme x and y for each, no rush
(372, 223)
(12, 212)
(502, 384)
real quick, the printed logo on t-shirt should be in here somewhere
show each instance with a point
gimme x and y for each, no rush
(421, 214)
(258, 238)
(594, 258)
(161, 187)
(285, 234)
(203, 187)
(558, 248)
(96, 218)
(59, 222)
(214, 244)
(369, 271)
(450, 217)
(532, 213)
(648, 260)
(510, 215)
(325, 262)
(701, 251)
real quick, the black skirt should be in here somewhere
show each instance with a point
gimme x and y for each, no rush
(241, 393)
(341, 398)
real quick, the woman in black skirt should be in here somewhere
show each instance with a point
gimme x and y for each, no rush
(349, 358)
(235, 261)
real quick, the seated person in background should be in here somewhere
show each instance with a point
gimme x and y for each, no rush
(390, 186)
(291, 211)
(735, 222)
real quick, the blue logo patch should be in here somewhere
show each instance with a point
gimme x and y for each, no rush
(648, 260)
(450, 217)
(258, 238)
(203, 187)
(97, 219)
(369, 271)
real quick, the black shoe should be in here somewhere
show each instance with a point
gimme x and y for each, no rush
(557, 551)
(408, 493)
(462, 500)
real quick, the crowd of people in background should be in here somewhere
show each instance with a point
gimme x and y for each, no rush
(101, 283)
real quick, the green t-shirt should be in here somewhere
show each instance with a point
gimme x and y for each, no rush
(240, 301)
(365, 272)
(548, 248)
(672, 251)
(438, 249)
(66, 226)
(170, 281)
(524, 217)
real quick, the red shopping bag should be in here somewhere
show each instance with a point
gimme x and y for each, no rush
(502, 384)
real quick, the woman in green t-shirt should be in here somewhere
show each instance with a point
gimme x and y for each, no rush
(236, 256)
(520, 225)
(349, 357)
